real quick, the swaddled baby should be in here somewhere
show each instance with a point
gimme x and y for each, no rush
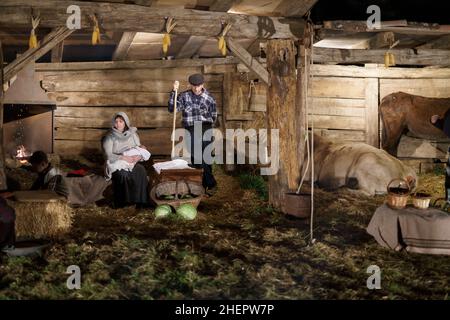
(124, 165)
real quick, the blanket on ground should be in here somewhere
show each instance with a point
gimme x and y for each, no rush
(416, 230)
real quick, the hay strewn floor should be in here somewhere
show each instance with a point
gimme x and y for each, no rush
(237, 248)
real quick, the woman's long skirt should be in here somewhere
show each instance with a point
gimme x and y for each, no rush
(131, 187)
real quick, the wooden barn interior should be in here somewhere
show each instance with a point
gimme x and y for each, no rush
(291, 65)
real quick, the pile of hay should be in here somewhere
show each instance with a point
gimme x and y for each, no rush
(42, 220)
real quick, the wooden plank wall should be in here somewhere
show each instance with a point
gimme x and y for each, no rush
(377, 82)
(344, 100)
(87, 100)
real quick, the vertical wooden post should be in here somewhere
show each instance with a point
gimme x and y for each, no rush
(372, 97)
(300, 100)
(283, 114)
(3, 185)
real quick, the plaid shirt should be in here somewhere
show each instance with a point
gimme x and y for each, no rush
(195, 108)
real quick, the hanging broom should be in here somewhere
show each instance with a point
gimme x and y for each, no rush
(166, 39)
(32, 43)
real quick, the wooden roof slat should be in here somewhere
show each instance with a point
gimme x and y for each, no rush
(126, 17)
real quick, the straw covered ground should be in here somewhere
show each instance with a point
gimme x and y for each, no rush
(237, 248)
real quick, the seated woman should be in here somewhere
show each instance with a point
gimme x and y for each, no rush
(130, 184)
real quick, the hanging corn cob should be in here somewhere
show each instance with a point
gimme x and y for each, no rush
(389, 58)
(32, 43)
(166, 39)
(96, 31)
(222, 43)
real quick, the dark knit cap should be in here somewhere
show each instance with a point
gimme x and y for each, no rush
(196, 79)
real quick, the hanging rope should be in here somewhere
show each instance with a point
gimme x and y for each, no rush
(166, 39)
(222, 43)
(32, 43)
(309, 148)
(96, 30)
(310, 76)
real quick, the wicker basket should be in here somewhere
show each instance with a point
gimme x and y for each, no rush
(178, 188)
(395, 198)
(421, 200)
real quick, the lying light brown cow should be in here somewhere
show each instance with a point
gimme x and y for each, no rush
(357, 166)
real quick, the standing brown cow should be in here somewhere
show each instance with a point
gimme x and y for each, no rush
(402, 112)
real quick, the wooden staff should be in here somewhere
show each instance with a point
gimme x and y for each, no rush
(174, 122)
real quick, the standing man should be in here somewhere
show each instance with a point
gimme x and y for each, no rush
(198, 106)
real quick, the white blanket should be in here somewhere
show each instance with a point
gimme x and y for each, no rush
(173, 164)
(111, 167)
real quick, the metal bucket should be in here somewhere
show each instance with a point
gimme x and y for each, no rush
(298, 205)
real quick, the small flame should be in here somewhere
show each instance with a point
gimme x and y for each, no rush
(22, 154)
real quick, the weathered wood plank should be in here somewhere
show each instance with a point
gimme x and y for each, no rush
(399, 26)
(31, 55)
(101, 117)
(222, 5)
(409, 147)
(342, 135)
(372, 112)
(144, 64)
(57, 52)
(87, 134)
(190, 47)
(334, 103)
(126, 17)
(439, 43)
(55, 84)
(336, 111)
(338, 87)
(381, 72)
(248, 60)
(281, 106)
(138, 75)
(219, 68)
(115, 98)
(338, 122)
(124, 45)
(421, 57)
(435, 88)
(77, 147)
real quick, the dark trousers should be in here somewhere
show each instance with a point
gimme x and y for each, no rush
(208, 179)
(7, 224)
(130, 187)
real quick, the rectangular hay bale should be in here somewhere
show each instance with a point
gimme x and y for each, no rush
(42, 219)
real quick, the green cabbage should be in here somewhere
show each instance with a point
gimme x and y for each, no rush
(187, 211)
(163, 211)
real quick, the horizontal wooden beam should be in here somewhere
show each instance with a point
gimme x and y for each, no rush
(425, 57)
(399, 26)
(319, 70)
(142, 64)
(31, 55)
(128, 17)
(439, 43)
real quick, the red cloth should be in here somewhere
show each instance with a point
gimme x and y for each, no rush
(79, 172)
